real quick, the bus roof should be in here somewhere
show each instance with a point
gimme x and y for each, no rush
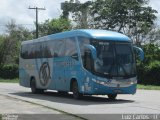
(89, 33)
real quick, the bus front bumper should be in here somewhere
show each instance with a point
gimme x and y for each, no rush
(104, 90)
(114, 87)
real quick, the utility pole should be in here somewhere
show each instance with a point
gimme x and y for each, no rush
(36, 8)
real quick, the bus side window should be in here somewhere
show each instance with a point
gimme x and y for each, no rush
(53, 47)
(50, 49)
(82, 42)
(46, 50)
(28, 51)
(59, 48)
(71, 48)
(38, 50)
(23, 52)
(31, 51)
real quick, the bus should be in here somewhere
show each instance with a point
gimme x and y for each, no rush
(84, 62)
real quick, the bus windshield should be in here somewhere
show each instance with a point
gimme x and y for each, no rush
(114, 59)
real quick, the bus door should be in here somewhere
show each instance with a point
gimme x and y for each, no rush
(71, 61)
(59, 65)
(59, 74)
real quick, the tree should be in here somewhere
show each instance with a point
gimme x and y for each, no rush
(8, 50)
(54, 26)
(131, 17)
(2, 50)
(152, 53)
(18, 32)
(153, 36)
(10, 42)
(148, 70)
(79, 12)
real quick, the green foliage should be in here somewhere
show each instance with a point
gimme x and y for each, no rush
(149, 69)
(2, 50)
(9, 71)
(18, 33)
(151, 74)
(152, 53)
(134, 18)
(10, 43)
(54, 26)
(10, 48)
(113, 14)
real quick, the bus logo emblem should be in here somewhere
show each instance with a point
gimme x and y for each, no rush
(44, 74)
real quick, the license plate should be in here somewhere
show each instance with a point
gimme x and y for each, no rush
(117, 91)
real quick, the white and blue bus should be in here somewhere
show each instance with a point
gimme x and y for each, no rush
(85, 62)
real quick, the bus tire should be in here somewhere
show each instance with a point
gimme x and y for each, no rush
(112, 96)
(34, 89)
(75, 90)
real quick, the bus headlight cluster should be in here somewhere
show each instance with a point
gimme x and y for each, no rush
(133, 80)
(113, 82)
(100, 82)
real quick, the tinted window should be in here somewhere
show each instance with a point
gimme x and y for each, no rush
(71, 49)
(58, 48)
(46, 50)
(28, 51)
(24, 51)
(54, 48)
(38, 50)
(82, 42)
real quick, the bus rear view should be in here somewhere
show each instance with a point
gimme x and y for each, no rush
(103, 63)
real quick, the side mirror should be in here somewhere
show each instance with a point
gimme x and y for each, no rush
(93, 51)
(139, 52)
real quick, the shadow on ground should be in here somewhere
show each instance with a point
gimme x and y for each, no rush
(68, 99)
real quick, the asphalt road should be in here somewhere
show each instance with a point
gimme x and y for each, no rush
(19, 100)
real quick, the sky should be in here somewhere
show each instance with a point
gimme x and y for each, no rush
(18, 10)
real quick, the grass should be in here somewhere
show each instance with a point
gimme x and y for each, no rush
(16, 80)
(148, 87)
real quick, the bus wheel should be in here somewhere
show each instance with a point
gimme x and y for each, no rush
(112, 96)
(76, 94)
(34, 90)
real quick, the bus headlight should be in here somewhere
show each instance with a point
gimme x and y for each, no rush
(133, 80)
(99, 82)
